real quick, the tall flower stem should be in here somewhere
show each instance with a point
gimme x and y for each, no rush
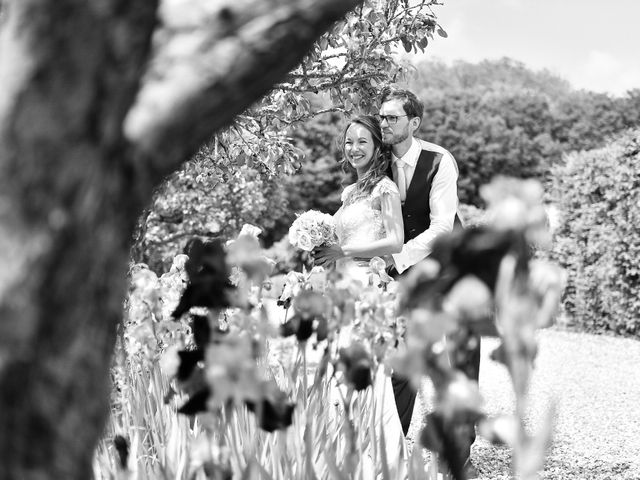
(361, 455)
(372, 422)
(303, 346)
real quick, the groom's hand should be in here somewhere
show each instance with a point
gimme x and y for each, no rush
(390, 266)
(315, 254)
(388, 261)
(326, 255)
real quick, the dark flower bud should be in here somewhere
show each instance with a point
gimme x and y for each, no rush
(322, 330)
(290, 327)
(360, 374)
(356, 362)
(284, 303)
(122, 448)
(431, 436)
(196, 403)
(209, 284)
(201, 330)
(188, 361)
(301, 327)
(447, 438)
(216, 471)
(304, 330)
(274, 410)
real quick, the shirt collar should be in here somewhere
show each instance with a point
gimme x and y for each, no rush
(411, 157)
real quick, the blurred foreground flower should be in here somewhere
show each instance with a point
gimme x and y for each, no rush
(471, 302)
(274, 411)
(246, 254)
(231, 370)
(482, 280)
(209, 284)
(356, 364)
(310, 309)
(516, 204)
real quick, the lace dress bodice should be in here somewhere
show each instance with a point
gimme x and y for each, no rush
(359, 220)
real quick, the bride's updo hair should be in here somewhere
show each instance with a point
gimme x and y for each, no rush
(380, 162)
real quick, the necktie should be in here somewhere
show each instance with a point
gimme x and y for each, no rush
(401, 179)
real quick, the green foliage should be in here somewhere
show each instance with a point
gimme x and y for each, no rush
(471, 215)
(342, 74)
(204, 201)
(306, 369)
(586, 120)
(598, 195)
(491, 133)
(318, 183)
(498, 117)
(488, 75)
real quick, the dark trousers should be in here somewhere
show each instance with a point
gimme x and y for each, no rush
(469, 364)
(405, 394)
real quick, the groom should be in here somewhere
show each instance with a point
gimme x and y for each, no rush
(426, 175)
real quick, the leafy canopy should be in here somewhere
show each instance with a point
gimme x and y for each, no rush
(340, 76)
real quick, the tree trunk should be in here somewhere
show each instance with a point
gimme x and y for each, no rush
(72, 185)
(68, 207)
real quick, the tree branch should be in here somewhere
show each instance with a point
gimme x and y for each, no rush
(328, 84)
(177, 113)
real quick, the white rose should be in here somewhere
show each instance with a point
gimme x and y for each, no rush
(316, 236)
(305, 242)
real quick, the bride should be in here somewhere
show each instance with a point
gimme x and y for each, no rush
(369, 224)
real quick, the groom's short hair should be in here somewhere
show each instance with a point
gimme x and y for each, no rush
(412, 106)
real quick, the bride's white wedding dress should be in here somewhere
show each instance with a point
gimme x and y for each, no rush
(359, 219)
(359, 222)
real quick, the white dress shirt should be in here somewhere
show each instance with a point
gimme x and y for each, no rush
(443, 202)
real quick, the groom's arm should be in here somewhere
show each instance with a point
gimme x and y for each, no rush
(443, 204)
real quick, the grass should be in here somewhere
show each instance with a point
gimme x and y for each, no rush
(596, 383)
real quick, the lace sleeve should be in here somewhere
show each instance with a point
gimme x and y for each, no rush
(345, 193)
(384, 187)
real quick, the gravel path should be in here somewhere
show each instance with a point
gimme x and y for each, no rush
(596, 382)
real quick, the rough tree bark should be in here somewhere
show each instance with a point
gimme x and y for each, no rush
(74, 176)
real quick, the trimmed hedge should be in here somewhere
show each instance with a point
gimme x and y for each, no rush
(598, 241)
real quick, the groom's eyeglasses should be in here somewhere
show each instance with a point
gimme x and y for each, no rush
(391, 119)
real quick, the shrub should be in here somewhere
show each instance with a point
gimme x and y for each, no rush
(598, 241)
(471, 215)
(196, 202)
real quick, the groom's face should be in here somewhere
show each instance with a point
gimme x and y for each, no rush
(399, 131)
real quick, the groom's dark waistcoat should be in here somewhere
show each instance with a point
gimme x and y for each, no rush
(416, 213)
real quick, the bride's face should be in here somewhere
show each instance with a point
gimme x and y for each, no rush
(358, 147)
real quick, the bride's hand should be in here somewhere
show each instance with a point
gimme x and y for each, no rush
(326, 255)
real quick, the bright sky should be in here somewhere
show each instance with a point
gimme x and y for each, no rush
(595, 45)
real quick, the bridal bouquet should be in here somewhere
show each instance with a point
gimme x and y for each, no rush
(312, 229)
